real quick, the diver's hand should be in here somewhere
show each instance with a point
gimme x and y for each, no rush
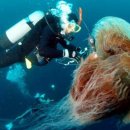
(72, 54)
(69, 53)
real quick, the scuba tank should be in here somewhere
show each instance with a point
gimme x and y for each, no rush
(19, 30)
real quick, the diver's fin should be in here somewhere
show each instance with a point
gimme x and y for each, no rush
(126, 118)
(28, 63)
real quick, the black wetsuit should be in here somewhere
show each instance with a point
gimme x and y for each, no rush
(45, 35)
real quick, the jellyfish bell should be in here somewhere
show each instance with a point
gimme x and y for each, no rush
(112, 37)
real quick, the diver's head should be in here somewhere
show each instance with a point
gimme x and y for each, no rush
(72, 27)
(72, 24)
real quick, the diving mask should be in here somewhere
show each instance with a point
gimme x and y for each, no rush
(73, 27)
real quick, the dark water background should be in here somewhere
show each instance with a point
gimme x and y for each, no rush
(39, 79)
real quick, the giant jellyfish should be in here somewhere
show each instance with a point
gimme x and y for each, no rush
(102, 82)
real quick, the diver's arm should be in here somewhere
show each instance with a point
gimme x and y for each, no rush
(45, 45)
(50, 52)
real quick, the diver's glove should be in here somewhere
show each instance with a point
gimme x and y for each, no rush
(71, 54)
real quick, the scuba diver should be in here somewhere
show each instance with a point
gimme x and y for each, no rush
(35, 38)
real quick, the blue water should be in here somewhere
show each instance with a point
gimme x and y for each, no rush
(13, 101)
